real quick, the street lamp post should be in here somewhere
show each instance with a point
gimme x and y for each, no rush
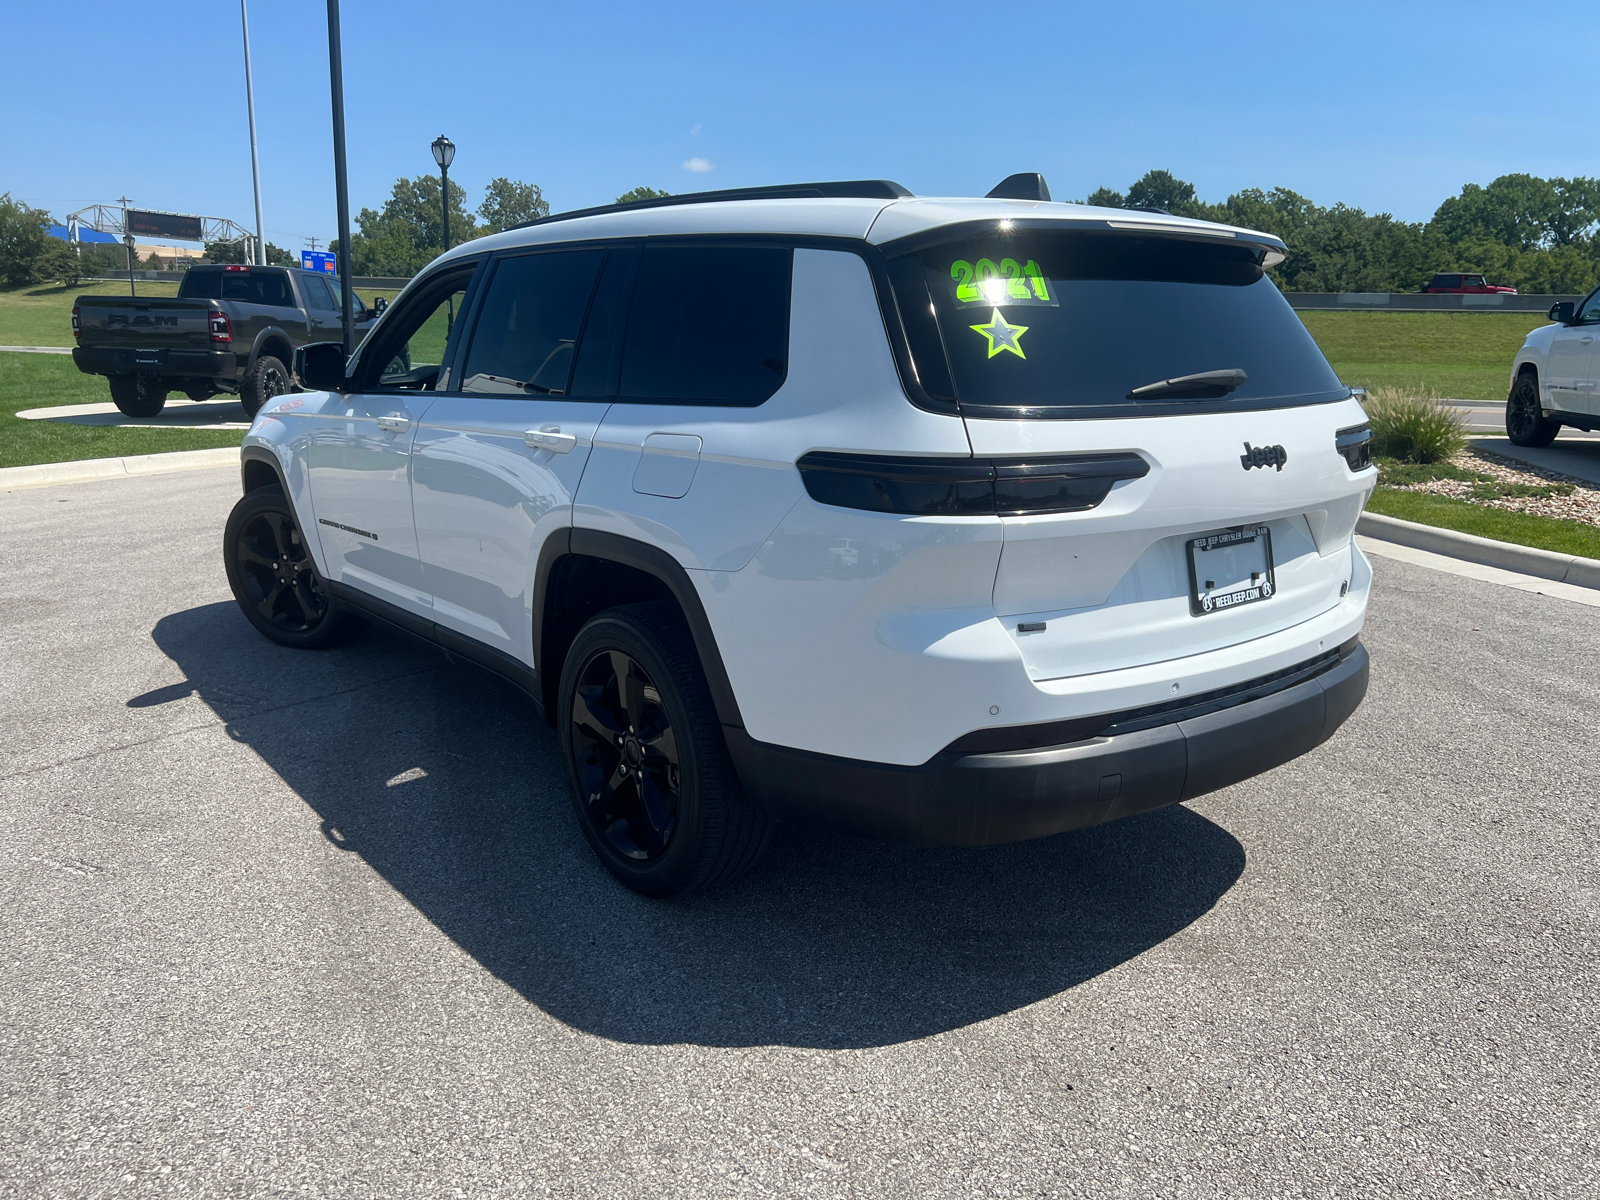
(444, 153)
(341, 183)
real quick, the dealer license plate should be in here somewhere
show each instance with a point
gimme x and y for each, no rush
(1230, 568)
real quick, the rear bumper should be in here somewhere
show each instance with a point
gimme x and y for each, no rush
(119, 360)
(981, 798)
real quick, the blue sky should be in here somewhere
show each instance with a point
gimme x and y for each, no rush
(1389, 106)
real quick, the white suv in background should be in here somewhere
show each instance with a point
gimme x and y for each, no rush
(956, 520)
(1555, 378)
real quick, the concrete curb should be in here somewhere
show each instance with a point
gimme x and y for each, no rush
(1544, 564)
(36, 349)
(89, 469)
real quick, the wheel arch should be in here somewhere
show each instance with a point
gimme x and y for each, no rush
(582, 572)
(259, 467)
(275, 341)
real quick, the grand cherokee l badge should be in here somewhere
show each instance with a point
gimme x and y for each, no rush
(1263, 456)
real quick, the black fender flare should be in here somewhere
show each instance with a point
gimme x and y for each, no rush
(272, 333)
(251, 461)
(653, 561)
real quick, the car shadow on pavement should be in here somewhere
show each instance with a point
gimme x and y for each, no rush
(448, 785)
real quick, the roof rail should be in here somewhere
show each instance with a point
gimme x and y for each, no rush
(867, 189)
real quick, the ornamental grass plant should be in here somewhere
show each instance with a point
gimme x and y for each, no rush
(1414, 427)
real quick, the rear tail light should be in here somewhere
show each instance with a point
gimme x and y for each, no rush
(221, 329)
(1355, 444)
(965, 486)
(77, 326)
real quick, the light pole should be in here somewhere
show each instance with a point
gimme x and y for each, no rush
(444, 153)
(255, 161)
(341, 183)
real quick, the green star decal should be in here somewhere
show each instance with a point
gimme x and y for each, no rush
(1002, 336)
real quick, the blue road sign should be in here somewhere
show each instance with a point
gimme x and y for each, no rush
(317, 260)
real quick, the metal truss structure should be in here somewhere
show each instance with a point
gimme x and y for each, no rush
(112, 218)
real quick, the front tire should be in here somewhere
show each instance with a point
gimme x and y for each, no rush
(267, 377)
(652, 785)
(274, 579)
(1526, 424)
(138, 395)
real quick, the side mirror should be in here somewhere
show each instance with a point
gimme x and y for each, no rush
(320, 366)
(379, 305)
(1562, 312)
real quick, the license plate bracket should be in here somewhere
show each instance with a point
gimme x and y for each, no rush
(1229, 568)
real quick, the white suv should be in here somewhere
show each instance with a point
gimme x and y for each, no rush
(956, 520)
(1555, 379)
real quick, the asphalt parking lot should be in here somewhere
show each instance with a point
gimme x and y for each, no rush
(279, 923)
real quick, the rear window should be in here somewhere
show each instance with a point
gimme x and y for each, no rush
(1057, 323)
(258, 287)
(200, 284)
(708, 325)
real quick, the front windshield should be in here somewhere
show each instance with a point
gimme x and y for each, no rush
(1068, 323)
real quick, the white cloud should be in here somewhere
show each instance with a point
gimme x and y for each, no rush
(698, 164)
(695, 132)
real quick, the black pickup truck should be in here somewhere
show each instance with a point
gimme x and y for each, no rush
(230, 329)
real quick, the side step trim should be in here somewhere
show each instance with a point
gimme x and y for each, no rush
(512, 670)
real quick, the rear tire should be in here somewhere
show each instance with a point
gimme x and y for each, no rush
(138, 395)
(652, 785)
(274, 579)
(1526, 424)
(267, 377)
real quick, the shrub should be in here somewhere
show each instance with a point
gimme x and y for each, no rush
(1414, 428)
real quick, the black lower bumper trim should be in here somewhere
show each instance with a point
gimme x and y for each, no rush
(178, 363)
(971, 799)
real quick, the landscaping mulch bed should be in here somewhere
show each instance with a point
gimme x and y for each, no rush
(1486, 479)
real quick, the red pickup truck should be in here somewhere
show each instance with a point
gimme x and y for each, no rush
(1463, 284)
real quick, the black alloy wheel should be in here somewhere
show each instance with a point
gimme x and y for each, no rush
(279, 576)
(626, 753)
(1526, 424)
(653, 788)
(274, 578)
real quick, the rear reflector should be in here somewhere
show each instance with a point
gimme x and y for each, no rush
(967, 487)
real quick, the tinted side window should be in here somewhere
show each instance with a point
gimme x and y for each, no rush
(258, 287)
(526, 334)
(597, 355)
(317, 294)
(708, 325)
(1589, 311)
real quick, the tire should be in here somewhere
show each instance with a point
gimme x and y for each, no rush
(267, 377)
(652, 785)
(138, 395)
(1526, 424)
(274, 579)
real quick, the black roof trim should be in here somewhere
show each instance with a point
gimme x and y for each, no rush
(866, 189)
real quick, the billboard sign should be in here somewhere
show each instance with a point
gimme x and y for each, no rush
(173, 226)
(317, 260)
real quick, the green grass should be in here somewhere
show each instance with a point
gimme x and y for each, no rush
(1522, 529)
(37, 380)
(41, 315)
(1459, 355)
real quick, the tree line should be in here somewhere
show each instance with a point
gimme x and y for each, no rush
(407, 233)
(1536, 235)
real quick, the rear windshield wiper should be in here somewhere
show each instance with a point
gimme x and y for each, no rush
(1207, 385)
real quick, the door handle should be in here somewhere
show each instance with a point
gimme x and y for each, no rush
(550, 437)
(394, 423)
(1586, 341)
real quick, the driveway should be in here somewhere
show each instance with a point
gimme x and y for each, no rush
(289, 923)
